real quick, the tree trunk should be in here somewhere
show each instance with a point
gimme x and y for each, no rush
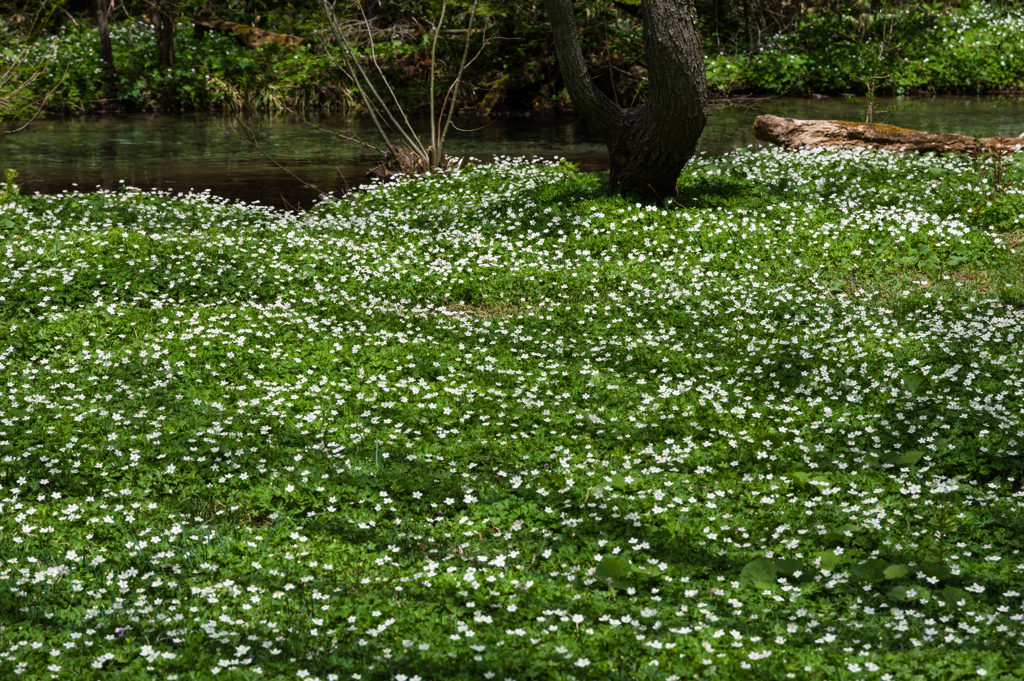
(794, 134)
(649, 144)
(162, 16)
(103, 8)
(754, 16)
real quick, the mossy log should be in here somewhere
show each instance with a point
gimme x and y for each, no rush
(791, 133)
(495, 95)
(250, 36)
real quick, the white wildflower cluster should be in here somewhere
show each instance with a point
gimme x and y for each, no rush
(498, 423)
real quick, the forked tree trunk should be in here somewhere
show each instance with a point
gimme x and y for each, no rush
(648, 144)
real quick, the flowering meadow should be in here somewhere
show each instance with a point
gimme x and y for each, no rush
(504, 424)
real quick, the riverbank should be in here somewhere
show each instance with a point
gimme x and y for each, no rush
(974, 48)
(500, 422)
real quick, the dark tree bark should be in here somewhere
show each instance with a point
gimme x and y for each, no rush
(651, 143)
(103, 8)
(162, 16)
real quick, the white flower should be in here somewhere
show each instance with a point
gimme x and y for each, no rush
(582, 662)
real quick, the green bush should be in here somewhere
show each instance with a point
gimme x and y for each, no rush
(213, 72)
(973, 48)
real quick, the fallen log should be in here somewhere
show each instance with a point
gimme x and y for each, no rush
(791, 133)
(250, 36)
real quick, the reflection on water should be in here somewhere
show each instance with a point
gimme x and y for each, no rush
(204, 152)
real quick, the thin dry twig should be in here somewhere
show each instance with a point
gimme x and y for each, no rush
(347, 138)
(11, 72)
(253, 140)
(336, 169)
(439, 143)
(427, 157)
(42, 103)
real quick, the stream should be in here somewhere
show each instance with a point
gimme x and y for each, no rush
(207, 152)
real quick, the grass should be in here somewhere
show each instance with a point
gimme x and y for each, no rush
(502, 424)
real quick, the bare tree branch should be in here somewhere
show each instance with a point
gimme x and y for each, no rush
(253, 140)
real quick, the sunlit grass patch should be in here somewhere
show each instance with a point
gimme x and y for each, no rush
(499, 422)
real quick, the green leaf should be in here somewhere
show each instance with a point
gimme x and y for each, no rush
(935, 570)
(896, 571)
(952, 596)
(870, 571)
(909, 593)
(759, 570)
(789, 566)
(649, 570)
(915, 382)
(844, 533)
(556, 480)
(829, 560)
(905, 459)
(802, 479)
(612, 569)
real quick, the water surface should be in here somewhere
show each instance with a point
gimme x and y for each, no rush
(207, 152)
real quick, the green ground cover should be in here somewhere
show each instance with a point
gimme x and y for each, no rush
(503, 424)
(973, 48)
